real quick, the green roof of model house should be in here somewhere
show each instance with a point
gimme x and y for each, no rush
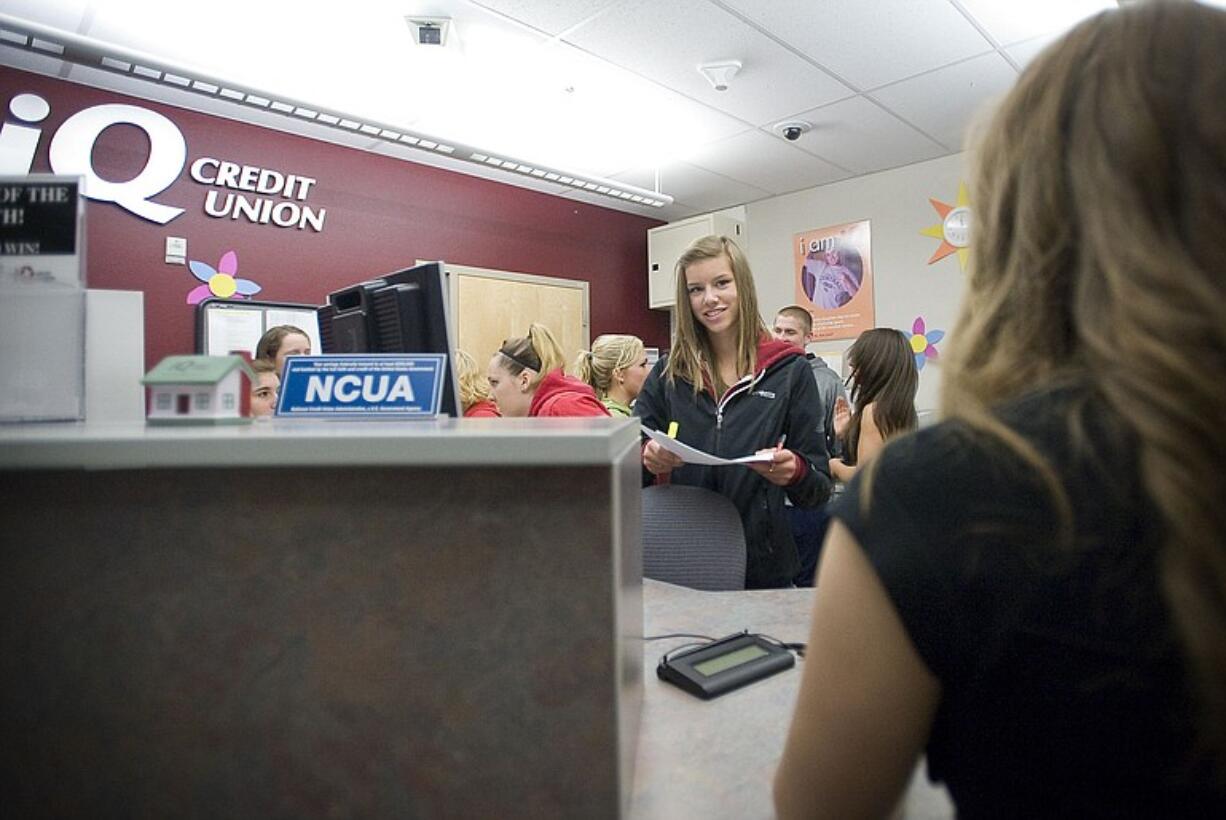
(194, 370)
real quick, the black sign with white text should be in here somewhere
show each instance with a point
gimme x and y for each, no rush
(38, 217)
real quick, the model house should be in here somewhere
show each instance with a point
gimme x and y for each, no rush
(199, 390)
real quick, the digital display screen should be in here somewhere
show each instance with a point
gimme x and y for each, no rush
(724, 662)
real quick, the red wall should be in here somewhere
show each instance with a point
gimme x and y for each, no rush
(382, 214)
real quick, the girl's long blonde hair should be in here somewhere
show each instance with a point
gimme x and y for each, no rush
(691, 356)
(1099, 256)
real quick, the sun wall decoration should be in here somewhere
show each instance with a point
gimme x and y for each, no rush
(222, 282)
(954, 230)
(924, 342)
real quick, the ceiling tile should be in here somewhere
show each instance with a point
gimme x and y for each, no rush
(1024, 53)
(668, 41)
(857, 134)
(601, 86)
(869, 44)
(66, 15)
(1010, 21)
(766, 161)
(550, 16)
(942, 103)
(693, 186)
(258, 45)
(608, 121)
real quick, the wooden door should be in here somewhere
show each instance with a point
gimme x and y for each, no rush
(490, 306)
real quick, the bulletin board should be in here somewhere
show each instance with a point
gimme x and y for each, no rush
(224, 325)
(491, 306)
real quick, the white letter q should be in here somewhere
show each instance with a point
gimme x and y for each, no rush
(73, 146)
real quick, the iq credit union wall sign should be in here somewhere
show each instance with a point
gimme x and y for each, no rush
(262, 196)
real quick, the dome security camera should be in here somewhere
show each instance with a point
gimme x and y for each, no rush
(792, 129)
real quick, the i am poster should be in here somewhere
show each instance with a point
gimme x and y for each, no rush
(834, 279)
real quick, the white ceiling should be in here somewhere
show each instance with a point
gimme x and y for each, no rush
(610, 88)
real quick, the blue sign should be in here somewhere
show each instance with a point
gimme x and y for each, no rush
(363, 386)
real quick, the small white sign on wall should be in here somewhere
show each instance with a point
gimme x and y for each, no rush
(176, 250)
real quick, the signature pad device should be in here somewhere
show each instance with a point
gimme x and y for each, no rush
(720, 666)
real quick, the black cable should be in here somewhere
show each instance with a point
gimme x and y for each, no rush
(691, 646)
(798, 648)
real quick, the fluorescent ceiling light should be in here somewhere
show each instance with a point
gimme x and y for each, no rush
(105, 57)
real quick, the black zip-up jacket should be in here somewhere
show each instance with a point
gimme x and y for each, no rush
(780, 399)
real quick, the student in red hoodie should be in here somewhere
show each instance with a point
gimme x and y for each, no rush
(526, 379)
(733, 390)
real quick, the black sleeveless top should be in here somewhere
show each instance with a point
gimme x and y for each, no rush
(1064, 691)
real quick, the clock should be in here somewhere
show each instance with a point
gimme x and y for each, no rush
(956, 227)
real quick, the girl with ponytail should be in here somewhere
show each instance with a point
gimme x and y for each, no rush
(526, 379)
(615, 367)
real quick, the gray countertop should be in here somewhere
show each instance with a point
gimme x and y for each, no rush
(295, 442)
(717, 758)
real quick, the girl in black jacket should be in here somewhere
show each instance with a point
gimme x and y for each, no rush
(732, 390)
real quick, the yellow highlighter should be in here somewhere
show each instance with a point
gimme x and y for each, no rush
(672, 429)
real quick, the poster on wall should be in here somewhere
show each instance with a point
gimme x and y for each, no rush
(834, 279)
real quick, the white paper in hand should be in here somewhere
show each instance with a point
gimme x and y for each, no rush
(692, 455)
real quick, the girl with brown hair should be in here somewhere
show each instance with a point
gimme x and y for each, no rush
(1034, 590)
(732, 390)
(280, 342)
(885, 381)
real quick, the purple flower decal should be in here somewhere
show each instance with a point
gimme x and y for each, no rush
(924, 343)
(220, 282)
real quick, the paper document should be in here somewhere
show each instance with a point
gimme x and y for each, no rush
(692, 455)
(233, 330)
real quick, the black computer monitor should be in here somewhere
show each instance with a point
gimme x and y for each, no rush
(401, 312)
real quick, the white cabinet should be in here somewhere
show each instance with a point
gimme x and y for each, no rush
(666, 243)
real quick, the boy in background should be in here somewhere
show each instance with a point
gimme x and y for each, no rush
(794, 325)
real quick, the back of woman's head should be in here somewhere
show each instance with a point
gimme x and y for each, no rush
(885, 377)
(609, 353)
(1099, 255)
(691, 349)
(539, 351)
(473, 384)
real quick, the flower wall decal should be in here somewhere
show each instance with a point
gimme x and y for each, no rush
(924, 342)
(220, 282)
